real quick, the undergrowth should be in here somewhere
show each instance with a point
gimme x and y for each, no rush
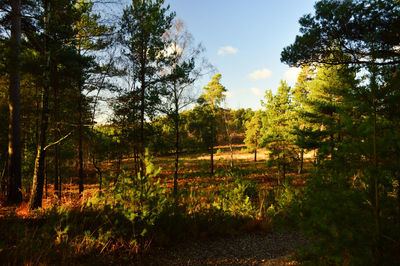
(128, 217)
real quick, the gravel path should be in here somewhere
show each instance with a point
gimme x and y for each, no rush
(247, 249)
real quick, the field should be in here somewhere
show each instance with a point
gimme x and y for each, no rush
(124, 225)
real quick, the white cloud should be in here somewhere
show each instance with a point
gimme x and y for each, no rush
(292, 73)
(261, 74)
(257, 91)
(227, 50)
(229, 94)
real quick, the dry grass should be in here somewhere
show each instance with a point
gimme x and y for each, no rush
(194, 182)
(193, 173)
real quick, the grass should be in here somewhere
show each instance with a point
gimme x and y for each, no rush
(122, 223)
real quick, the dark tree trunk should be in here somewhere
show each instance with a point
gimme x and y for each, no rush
(56, 149)
(38, 174)
(255, 152)
(14, 195)
(98, 170)
(229, 138)
(284, 167)
(279, 171)
(80, 145)
(142, 104)
(135, 156)
(301, 162)
(176, 151)
(118, 168)
(375, 172)
(80, 132)
(35, 200)
(46, 175)
(212, 150)
(37, 117)
(56, 171)
(3, 181)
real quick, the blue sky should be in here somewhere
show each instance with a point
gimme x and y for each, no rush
(243, 40)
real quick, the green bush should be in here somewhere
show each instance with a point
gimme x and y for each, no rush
(237, 201)
(140, 199)
(337, 216)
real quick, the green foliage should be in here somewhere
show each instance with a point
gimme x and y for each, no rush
(235, 201)
(343, 230)
(277, 124)
(253, 131)
(213, 93)
(347, 209)
(350, 26)
(139, 198)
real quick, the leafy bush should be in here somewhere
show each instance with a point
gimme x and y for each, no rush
(140, 199)
(237, 201)
(337, 216)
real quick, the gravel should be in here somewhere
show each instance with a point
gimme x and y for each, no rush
(271, 248)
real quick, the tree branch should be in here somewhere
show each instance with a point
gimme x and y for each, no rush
(58, 141)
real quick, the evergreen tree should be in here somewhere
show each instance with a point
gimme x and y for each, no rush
(57, 55)
(212, 97)
(90, 36)
(276, 132)
(359, 35)
(143, 25)
(253, 133)
(14, 138)
(182, 70)
(300, 95)
(323, 108)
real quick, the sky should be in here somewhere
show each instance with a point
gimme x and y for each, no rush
(244, 40)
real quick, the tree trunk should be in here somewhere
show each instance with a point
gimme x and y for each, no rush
(118, 168)
(229, 139)
(176, 151)
(38, 174)
(135, 156)
(212, 150)
(255, 152)
(284, 167)
(60, 177)
(56, 150)
(80, 145)
(279, 171)
(14, 195)
(80, 133)
(142, 104)
(56, 171)
(375, 173)
(301, 162)
(46, 175)
(98, 172)
(3, 181)
(35, 200)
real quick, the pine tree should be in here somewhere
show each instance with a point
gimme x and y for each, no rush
(277, 124)
(362, 35)
(253, 133)
(56, 55)
(143, 25)
(300, 95)
(90, 36)
(212, 97)
(14, 194)
(183, 68)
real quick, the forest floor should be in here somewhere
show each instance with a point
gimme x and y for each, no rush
(260, 243)
(267, 248)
